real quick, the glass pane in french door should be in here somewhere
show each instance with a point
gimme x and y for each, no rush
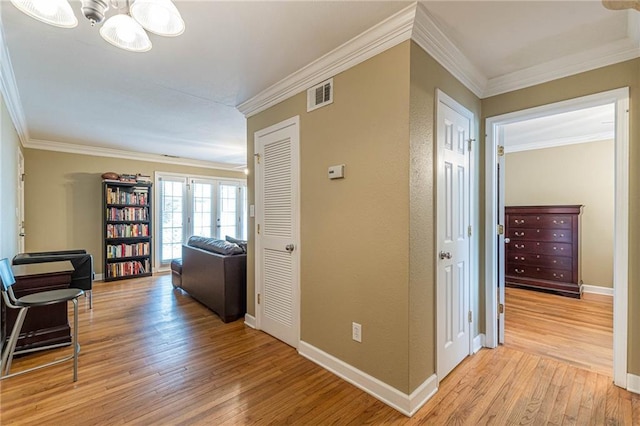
(227, 211)
(172, 219)
(202, 209)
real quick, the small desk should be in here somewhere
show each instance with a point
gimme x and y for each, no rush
(44, 325)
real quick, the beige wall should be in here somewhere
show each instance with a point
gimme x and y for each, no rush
(9, 147)
(367, 241)
(572, 174)
(426, 76)
(625, 74)
(63, 197)
(354, 264)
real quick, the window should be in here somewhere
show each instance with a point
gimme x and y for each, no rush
(206, 207)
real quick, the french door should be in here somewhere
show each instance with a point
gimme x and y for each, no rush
(189, 206)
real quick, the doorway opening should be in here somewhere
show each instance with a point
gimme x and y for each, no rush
(495, 266)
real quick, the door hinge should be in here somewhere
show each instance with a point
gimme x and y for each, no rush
(258, 230)
(469, 143)
(258, 298)
(257, 158)
(470, 316)
(501, 308)
(469, 230)
(500, 229)
(500, 150)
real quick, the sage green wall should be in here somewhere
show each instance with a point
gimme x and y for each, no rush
(9, 147)
(624, 74)
(354, 231)
(427, 75)
(571, 174)
(63, 197)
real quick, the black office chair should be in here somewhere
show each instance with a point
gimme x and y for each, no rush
(42, 298)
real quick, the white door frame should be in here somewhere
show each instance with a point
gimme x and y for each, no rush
(474, 190)
(620, 98)
(294, 121)
(20, 218)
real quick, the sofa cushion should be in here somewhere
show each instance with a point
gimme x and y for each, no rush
(241, 243)
(214, 245)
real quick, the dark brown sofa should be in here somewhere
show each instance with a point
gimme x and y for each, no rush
(214, 272)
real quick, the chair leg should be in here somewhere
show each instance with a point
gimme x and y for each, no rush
(75, 339)
(90, 298)
(7, 355)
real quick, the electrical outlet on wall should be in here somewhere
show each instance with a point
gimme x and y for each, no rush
(356, 332)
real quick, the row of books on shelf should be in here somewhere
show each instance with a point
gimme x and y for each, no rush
(139, 196)
(115, 251)
(127, 230)
(127, 213)
(123, 269)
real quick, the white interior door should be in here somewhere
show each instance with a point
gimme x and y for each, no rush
(277, 231)
(453, 221)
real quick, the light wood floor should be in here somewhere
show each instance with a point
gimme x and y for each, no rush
(575, 331)
(152, 356)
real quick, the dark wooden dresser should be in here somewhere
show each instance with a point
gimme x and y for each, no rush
(544, 251)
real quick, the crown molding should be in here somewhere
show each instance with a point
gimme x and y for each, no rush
(388, 33)
(128, 155)
(573, 140)
(612, 53)
(10, 92)
(434, 41)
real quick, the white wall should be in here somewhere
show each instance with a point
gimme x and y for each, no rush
(9, 146)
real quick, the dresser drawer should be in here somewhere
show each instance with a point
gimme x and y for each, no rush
(547, 261)
(539, 221)
(537, 247)
(562, 275)
(555, 235)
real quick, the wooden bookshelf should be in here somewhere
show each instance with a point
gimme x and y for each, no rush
(127, 229)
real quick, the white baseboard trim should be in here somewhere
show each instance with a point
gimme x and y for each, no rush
(478, 342)
(633, 383)
(406, 404)
(250, 321)
(594, 289)
(98, 277)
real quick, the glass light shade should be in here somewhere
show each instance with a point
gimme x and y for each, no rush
(158, 16)
(124, 32)
(53, 12)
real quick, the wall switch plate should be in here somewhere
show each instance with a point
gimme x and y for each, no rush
(356, 332)
(252, 210)
(336, 172)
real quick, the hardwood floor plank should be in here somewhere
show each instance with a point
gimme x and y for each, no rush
(153, 356)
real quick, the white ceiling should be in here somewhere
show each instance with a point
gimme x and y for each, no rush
(180, 98)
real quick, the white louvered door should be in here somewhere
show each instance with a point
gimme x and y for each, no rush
(453, 255)
(277, 231)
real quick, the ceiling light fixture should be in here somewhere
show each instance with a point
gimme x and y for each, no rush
(125, 29)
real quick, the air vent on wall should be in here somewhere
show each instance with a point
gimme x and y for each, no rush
(320, 95)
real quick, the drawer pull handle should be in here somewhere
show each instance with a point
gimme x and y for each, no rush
(519, 258)
(519, 246)
(519, 271)
(556, 222)
(538, 257)
(556, 275)
(519, 234)
(555, 261)
(561, 235)
(519, 222)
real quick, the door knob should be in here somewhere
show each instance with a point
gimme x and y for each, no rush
(289, 247)
(445, 255)
(507, 240)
